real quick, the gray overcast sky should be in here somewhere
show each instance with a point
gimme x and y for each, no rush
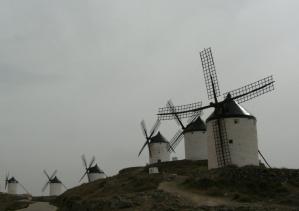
(79, 76)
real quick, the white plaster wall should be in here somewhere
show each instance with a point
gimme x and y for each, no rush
(159, 151)
(153, 170)
(55, 189)
(12, 188)
(244, 146)
(96, 176)
(196, 147)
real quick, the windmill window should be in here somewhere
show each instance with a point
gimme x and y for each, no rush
(236, 121)
(230, 141)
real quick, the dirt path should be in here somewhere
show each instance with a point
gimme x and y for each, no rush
(196, 198)
(40, 206)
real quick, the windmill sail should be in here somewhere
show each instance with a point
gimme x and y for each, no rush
(252, 90)
(221, 143)
(87, 167)
(23, 187)
(209, 72)
(182, 111)
(148, 138)
(176, 140)
(49, 179)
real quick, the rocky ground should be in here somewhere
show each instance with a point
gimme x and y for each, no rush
(13, 202)
(25, 202)
(187, 185)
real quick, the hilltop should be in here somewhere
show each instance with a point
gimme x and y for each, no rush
(187, 185)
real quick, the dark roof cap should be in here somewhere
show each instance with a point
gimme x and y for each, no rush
(95, 169)
(55, 180)
(197, 125)
(229, 108)
(12, 180)
(158, 139)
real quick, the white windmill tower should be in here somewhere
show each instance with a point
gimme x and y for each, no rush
(195, 135)
(11, 184)
(55, 185)
(92, 172)
(157, 145)
(231, 130)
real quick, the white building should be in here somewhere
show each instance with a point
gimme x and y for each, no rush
(158, 149)
(153, 170)
(95, 173)
(55, 187)
(195, 136)
(12, 186)
(240, 148)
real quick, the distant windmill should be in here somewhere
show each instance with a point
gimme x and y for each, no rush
(231, 130)
(194, 134)
(157, 145)
(11, 184)
(92, 172)
(55, 185)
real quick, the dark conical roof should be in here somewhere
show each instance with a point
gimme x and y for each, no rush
(197, 125)
(55, 180)
(95, 169)
(229, 108)
(158, 139)
(12, 180)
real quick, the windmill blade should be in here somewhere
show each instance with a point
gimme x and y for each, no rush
(83, 176)
(194, 117)
(264, 159)
(92, 161)
(221, 143)
(45, 186)
(170, 148)
(64, 186)
(53, 175)
(154, 128)
(209, 72)
(47, 175)
(252, 90)
(182, 111)
(176, 140)
(6, 180)
(84, 161)
(142, 148)
(177, 118)
(23, 187)
(149, 150)
(103, 171)
(143, 128)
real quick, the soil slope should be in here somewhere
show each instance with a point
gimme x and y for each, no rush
(13, 202)
(187, 185)
(39, 206)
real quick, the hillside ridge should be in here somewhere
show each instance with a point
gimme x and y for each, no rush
(187, 185)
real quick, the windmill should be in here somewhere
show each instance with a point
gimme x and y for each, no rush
(194, 135)
(11, 184)
(92, 172)
(157, 145)
(231, 130)
(55, 185)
